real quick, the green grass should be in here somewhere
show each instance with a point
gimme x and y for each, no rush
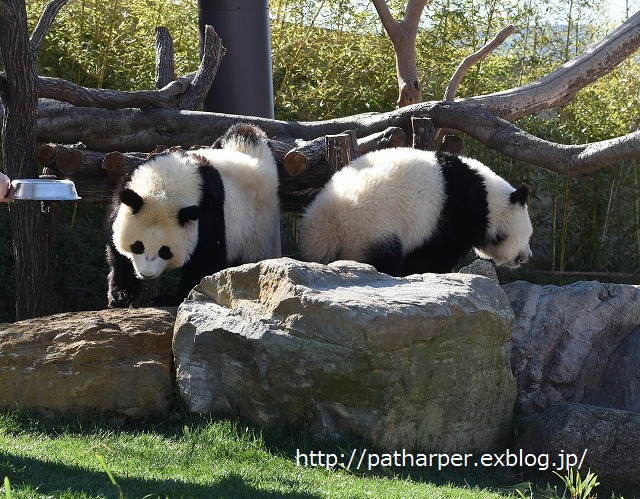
(188, 458)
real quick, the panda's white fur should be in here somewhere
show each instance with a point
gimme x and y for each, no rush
(167, 183)
(398, 196)
(202, 210)
(251, 209)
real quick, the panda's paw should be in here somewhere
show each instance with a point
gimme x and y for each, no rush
(120, 298)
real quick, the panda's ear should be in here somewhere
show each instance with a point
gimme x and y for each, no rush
(131, 199)
(520, 195)
(188, 214)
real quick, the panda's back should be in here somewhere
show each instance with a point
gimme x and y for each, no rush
(386, 194)
(250, 202)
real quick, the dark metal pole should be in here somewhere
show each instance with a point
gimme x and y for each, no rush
(244, 82)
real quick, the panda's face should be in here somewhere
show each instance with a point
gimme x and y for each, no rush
(154, 236)
(509, 229)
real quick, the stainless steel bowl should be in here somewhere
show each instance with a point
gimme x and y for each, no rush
(37, 189)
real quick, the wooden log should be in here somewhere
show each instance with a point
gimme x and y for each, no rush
(424, 135)
(391, 137)
(305, 154)
(279, 149)
(116, 164)
(341, 149)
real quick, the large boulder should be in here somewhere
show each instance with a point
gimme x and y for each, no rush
(605, 441)
(578, 343)
(110, 361)
(415, 362)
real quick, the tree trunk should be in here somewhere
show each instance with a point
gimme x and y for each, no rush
(30, 226)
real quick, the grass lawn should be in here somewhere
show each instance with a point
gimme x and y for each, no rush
(198, 459)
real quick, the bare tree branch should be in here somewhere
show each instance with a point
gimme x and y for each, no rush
(390, 24)
(45, 23)
(560, 87)
(186, 92)
(165, 67)
(66, 91)
(212, 54)
(470, 60)
(505, 137)
(403, 36)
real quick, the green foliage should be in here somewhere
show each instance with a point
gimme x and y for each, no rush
(576, 486)
(7, 488)
(112, 44)
(191, 458)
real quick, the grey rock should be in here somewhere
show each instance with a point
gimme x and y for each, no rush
(605, 441)
(481, 267)
(416, 362)
(578, 343)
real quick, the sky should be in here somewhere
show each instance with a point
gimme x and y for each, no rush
(618, 8)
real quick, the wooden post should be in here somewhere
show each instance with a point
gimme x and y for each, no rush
(424, 136)
(341, 150)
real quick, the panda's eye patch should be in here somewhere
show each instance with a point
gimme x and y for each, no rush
(165, 253)
(137, 248)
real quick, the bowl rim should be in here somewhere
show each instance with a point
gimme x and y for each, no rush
(72, 195)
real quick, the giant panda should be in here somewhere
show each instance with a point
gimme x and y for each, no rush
(408, 211)
(201, 211)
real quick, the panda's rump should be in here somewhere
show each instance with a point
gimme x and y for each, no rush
(385, 200)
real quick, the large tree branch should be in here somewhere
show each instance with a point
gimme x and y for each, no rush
(403, 36)
(390, 25)
(165, 67)
(470, 60)
(560, 87)
(141, 130)
(186, 92)
(505, 137)
(45, 22)
(212, 53)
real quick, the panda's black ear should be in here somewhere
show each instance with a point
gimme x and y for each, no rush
(131, 199)
(520, 195)
(188, 214)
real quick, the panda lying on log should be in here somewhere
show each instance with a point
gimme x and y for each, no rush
(202, 211)
(408, 211)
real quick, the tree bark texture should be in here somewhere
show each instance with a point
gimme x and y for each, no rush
(403, 36)
(30, 225)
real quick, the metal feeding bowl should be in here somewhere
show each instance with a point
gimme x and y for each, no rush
(38, 189)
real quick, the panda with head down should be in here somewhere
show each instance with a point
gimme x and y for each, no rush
(407, 211)
(201, 211)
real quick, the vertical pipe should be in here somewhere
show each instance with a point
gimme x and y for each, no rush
(244, 82)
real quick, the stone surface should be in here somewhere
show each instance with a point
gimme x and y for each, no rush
(416, 362)
(577, 343)
(110, 361)
(481, 267)
(610, 437)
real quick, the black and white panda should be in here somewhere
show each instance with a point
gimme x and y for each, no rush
(408, 211)
(202, 211)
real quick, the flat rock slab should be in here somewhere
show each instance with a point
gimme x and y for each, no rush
(416, 362)
(82, 363)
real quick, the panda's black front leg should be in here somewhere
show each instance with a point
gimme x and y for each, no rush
(124, 285)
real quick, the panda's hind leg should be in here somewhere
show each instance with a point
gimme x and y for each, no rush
(386, 256)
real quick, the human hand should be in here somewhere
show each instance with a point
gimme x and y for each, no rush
(5, 188)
